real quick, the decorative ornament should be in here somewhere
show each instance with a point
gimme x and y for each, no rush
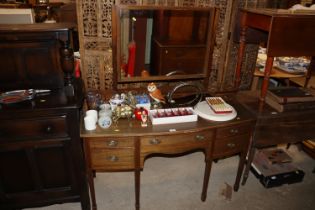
(145, 73)
(138, 113)
(144, 118)
(155, 93)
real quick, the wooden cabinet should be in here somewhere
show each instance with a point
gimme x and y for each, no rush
(183, 58)
(36, 56)
(41, 159)
(179, 42)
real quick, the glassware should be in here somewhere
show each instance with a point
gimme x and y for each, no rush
(93, 99)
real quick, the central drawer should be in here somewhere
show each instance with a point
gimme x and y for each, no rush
(171, 144)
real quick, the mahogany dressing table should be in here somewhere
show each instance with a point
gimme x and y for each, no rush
(126, 146)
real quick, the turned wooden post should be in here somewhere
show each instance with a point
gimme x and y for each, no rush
(67, 62)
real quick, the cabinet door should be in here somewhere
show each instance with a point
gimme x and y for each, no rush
(43, 171)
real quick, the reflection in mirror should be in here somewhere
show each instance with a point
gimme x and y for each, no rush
(169, 42)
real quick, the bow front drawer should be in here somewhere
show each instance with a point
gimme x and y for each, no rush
(233, 130)
(34, 128)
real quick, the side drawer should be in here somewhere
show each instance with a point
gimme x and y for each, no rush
(34, 128)
(111, 142)
(175, 143)
(112, 159)
(234, 130)
(230, 146)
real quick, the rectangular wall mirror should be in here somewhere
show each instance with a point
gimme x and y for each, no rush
(169, 43)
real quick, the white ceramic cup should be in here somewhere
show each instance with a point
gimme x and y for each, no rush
(93, 113)
(89, 122)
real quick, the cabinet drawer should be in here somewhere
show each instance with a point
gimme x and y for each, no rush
(183, 52)
(233, 130)
(182, 59)
(114, 142)
(112, 159)
(189, 66)
(175, 143)
(35, 128)
(230, 146)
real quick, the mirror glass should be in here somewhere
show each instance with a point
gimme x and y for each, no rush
(158, 43)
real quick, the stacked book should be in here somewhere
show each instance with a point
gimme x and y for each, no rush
(290, 98)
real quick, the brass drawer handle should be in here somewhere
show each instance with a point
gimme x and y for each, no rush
(155, 141)
(166, 51)
(112, 143)
(231, 145)
(234, 131)
(112, 158)
(200, 138)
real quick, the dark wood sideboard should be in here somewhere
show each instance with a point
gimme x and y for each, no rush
(273, 128)
(127, 146)
(41, 156)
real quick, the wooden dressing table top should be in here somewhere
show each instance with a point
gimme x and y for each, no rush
(133, 127)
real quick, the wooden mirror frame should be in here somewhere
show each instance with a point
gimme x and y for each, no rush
(116, 45)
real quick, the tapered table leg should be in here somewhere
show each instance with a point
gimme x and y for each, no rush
(90, 174)
(206, 180)
(137, 188)
(249, 162)
(240, 170)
